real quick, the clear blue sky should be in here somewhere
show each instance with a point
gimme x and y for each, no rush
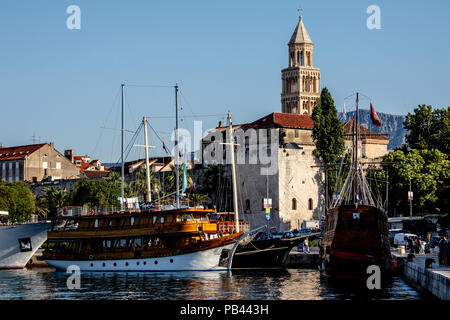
(62, 85)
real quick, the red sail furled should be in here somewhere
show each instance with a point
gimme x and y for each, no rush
(373, 115)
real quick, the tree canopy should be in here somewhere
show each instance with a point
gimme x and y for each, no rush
(428, 128)
(16, 198)
(328, 133)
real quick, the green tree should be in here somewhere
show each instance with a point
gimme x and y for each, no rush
(53, 199)
(428, 128)
(170, 179)
(140, 184)
(196, 199)
(328, 133)
(16, 198)
(100, 193)
(429, 171)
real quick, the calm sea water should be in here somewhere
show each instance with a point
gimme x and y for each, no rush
(289, 284)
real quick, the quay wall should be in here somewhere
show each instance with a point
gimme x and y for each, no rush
(302, 260)
(428, 280)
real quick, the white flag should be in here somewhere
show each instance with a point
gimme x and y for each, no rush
(344, 112)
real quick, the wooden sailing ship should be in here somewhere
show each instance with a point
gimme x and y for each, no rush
(355, 231)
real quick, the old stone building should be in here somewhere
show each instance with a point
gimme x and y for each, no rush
(293, 180)
(301, 80)
(35, 163)
(371, 145)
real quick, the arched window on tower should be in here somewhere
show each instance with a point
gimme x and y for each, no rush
(298, 57)
(294, 204)
(301, 58)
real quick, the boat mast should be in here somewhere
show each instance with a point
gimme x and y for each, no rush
(233, 173)
(177, 194)
(147, 166)
(355, 149)
(123, 165)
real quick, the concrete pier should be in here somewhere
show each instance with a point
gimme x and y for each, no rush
(434, 280)
(303, 260)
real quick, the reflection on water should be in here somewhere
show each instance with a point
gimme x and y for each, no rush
(290, 284)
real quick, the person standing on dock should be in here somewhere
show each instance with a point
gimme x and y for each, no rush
(443, 251)
(306, 246)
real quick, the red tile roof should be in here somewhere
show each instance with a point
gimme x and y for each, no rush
(95, 174)
(84, 165)
(364, 133)
(20, 152)
(282, 120)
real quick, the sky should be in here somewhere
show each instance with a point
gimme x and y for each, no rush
(63, 85)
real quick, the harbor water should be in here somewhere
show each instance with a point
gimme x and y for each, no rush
(287, 284)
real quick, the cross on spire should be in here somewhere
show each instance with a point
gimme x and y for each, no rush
(300, 10)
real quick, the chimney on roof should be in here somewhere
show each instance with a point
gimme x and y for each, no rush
(69, 154)
(52, 145)
(220, 124)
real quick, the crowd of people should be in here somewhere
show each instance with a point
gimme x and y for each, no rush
(415, 246)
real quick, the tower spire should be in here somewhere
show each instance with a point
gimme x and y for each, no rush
(301, 80)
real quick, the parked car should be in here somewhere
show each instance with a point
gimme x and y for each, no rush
(277, 235)
(392, 233)
(288, 234)
(401, 239)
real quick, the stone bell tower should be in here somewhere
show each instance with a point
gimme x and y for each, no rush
(300, 81)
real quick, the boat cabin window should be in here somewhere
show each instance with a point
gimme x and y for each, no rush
(132, 221)
(123, 243)
(178, 219)
(109, 223)
(96, 223)
(154, 219)
(107, 244)
(161, 220)
(187, 217)
(138, 242)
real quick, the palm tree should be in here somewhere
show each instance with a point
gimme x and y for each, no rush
(140, 184)
(171, 178)
(114, 178)
(197, 199)
(53, 199)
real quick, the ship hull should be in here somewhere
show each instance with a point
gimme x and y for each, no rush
(271, 253)
(203, 260)
(18, 243)
(355, 238)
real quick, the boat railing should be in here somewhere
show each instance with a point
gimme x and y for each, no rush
(230, 227)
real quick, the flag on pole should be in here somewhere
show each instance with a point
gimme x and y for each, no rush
(373, 115)
(344, 113)
(164, 146)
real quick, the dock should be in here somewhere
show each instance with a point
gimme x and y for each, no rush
(298, 259)
(424, 273)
